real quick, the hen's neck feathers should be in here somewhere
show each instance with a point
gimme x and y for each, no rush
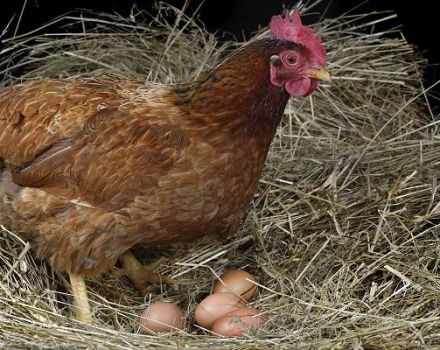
(237, 95)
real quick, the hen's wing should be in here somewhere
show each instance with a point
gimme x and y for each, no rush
(36, 115)
(89, 140)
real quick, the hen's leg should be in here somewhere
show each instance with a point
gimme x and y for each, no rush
(139, 274)
(81, 301)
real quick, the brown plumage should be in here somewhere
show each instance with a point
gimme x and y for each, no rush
(91, 167)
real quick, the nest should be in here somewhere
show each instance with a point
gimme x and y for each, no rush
(343, 231)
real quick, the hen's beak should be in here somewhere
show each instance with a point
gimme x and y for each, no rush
(320, 74)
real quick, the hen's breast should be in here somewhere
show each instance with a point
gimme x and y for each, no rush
(205, 193)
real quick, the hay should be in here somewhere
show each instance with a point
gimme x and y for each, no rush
(342, 234)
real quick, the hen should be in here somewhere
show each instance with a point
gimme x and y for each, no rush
(91, 167)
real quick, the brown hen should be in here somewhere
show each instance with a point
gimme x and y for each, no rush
(91, 167)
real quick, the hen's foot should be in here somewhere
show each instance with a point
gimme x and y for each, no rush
(80, 298)
(139, 274)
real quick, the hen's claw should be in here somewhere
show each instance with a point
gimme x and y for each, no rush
(139, 273)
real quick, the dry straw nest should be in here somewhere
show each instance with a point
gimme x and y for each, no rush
(342, 234)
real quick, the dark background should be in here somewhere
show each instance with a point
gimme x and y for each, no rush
(241, 17)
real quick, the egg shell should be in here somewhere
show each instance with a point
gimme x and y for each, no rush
(238, 282)
(239, 322)
(215, 306)
(161, 318)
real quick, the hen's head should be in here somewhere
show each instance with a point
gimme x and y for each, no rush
(300, 69)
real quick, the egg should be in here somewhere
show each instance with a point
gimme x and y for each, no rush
(215, 306)
(239, 322)
(238, 282)
(161, 318)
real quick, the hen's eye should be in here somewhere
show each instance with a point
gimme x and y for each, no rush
(291, 60)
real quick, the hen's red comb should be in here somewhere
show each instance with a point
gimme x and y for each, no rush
(290, 28)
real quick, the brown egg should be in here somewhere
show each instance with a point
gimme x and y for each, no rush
(161, 318)
(238, 282)
(239, 322)
(215, 306)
